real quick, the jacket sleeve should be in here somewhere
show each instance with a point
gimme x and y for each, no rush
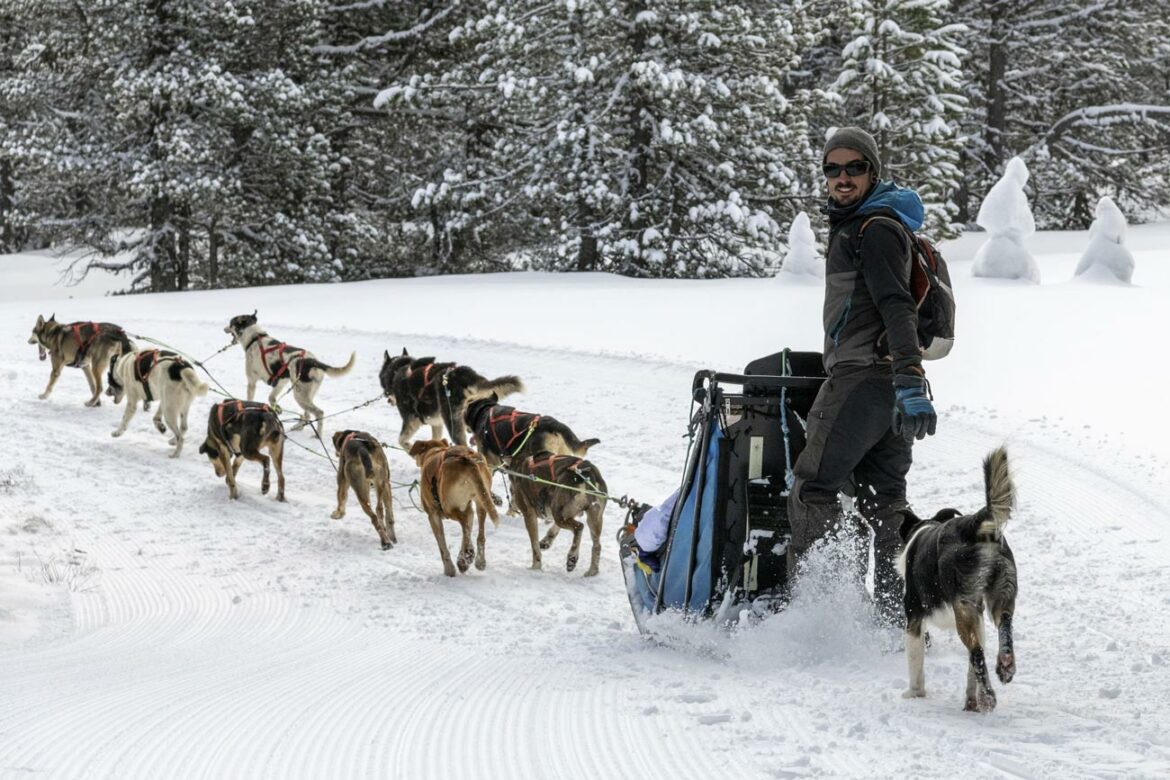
(885, 266)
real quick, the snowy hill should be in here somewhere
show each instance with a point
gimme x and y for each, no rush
(149, 627)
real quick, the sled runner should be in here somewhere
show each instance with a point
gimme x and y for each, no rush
(728, 532)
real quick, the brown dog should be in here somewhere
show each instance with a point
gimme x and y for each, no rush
(241, 429)
(559, 496)
(85, 345)
(452, 480)
(362, 465)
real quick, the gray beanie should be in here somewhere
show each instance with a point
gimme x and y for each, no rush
(859, 141)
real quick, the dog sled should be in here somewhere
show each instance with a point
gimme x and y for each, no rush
(727, 534)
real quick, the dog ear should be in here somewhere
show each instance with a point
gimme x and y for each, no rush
(910, 521)
(254, 312)
(495, 398)
(418, 448)
(53, 317)
(385, 356)
(942, 515)
(404, 352)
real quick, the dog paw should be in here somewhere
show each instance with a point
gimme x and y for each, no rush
(387, 545)
(545, 544)
(983, 702)
(264, 486)
(571, 563)
(536, 566)
(497, 500)
(914, 693)
(1005, 667)
(160, 426)
(174, 454)
(592, 572)
(43, 396)
(117, 433)
(235, 495)
(480, 562)
(464, 563)
(337, 514)
(280, 497)
(448, 569)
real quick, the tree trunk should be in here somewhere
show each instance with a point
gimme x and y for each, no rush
(184, 270)
(638, 154)
(7, 191)
(995, 131)
(213, 255)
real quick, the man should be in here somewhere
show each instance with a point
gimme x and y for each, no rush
(876, 399)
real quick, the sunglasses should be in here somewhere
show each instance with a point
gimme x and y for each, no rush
(851, 168)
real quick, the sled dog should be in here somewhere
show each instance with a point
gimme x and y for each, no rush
(362, 465)
(953, 565)
(278, 363)
(501, 432)
(152, 374)
(436, 394)
(85, 345)
(559, 496)
(452, 481)
(239, 430)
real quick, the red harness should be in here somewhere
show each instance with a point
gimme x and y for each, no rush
(533, 465)
(239, 408)
(427, 378)
(516, 432)
(283, 366)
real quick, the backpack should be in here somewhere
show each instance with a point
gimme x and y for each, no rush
(930, 284)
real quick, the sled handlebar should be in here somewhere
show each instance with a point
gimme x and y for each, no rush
(760, 380)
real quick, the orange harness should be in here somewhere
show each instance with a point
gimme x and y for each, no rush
(529, 421)
(239, 408)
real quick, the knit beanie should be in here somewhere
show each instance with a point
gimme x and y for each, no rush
(859, 141)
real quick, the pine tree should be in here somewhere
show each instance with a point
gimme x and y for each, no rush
(901, 78)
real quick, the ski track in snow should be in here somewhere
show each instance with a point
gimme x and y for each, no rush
(252, 638)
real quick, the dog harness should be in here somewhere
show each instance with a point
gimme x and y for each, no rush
(145, 362)
(427, 378)
(507, 426)
(83, 342)
(282, 350)
(238, 408)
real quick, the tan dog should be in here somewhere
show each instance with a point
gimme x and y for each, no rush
(362, 465)
(559, 496)
(85, 345)
(453, 480)
(241, 429)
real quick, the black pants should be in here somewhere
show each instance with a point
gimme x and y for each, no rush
(849, 435)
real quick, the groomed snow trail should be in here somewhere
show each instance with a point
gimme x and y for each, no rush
(254, 638)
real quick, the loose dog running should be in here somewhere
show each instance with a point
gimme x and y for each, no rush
(453, 480)
(155, 374)
(277, 363)
(436, 394)
(562, 501)
(362, 465)
(954, 564)
(85, 345)
(239, 430)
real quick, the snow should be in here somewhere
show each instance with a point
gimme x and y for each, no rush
(1007, 218)
(252, 638)
(803, 260)
(1106, 257)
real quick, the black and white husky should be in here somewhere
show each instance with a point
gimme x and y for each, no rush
(277, 363)
(152, 374)
(954, 565)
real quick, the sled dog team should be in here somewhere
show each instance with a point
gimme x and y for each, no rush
(953, 565)
(550, 479)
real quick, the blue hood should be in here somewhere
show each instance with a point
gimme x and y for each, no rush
(903, 202)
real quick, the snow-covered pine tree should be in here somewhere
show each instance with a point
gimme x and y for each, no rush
(901, 78)
(1088, 110)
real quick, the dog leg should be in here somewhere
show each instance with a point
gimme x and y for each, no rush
(342, 494)
(576, 526)
(915, 641)
(95, 398)
(159, 425)
(444, 553)
(980, 696)
(54, 375)
(436, 431)
(465, 518)
(251, 389)
(530, 526)
(276, 450)
(127, 415)
(1005, 662)
(480, 540)
(550, 536)
(362, 492)
(172, 418)
(387, 510)
(594, 515)
(409, 427)
(229, 473)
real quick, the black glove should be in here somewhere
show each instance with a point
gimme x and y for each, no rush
(914, 416)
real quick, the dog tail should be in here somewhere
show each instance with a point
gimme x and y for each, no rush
(357, 473)
(501, 386)
(484, 488)
(191, 380)
(1001, 496)
(579, 447)
(310, 363)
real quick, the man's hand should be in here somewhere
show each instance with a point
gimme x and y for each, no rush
(914, 416)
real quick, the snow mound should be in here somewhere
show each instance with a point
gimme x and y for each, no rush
(1007, 217)
(1106, 258)
(803, 261)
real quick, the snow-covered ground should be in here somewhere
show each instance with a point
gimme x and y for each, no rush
(149, 627)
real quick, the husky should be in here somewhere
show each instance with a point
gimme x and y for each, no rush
(954, 565)
(503, 433)
(454, 480)
(277, 364)
(85, 345)
(436, 394)
(241, 429)
(559, 496)
(152, 374)
(361, 465)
